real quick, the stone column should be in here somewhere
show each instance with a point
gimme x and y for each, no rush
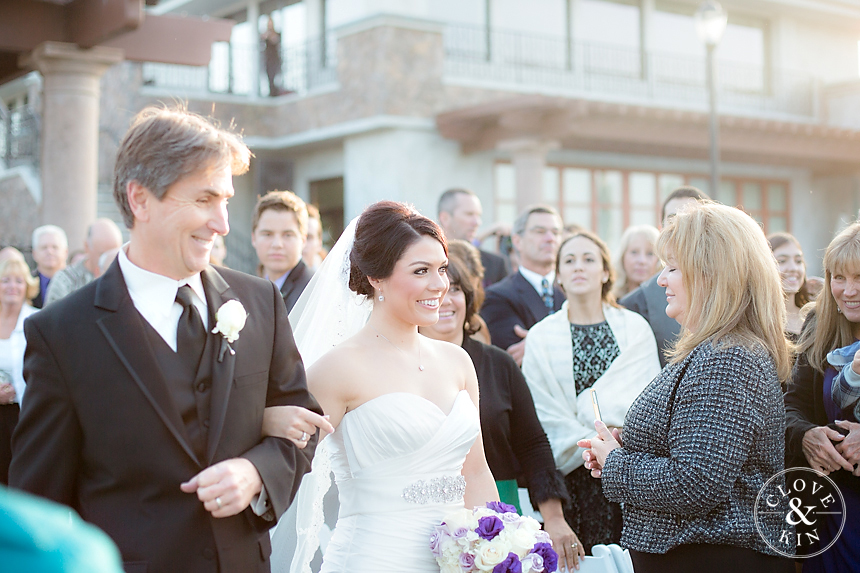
(528, 157)
(70, 133)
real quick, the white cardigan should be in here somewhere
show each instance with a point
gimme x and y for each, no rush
(548, 368)
(19, 344)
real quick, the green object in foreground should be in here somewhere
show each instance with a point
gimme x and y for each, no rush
(508, 493)
(39, 536)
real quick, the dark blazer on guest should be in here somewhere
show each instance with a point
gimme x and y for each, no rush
(514, 301)
(295, 283)
(101, 432)
(649, 300)
(495, 266)
(38, 300)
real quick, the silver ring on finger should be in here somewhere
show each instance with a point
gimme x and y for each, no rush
(218, 502)
(304, 437)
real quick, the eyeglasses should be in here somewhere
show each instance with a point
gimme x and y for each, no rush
(540, 231)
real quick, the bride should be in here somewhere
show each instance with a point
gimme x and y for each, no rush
(406, 447)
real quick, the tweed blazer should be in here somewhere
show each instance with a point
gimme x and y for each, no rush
(699, 444)
(548, 368)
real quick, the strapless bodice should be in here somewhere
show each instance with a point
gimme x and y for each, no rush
(397, 460)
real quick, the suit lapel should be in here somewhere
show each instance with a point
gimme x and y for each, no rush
(217, 293)
(530, 297)
(124, 331)
(292, 278)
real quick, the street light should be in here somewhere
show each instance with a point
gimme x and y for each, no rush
(711, 20)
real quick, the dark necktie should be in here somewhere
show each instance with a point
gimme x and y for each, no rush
(546, 295)
(190, 332)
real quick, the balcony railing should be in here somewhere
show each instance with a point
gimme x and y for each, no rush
(534, 61)
(304, 67)
(19, 136)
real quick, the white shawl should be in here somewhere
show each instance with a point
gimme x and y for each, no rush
(548, 367)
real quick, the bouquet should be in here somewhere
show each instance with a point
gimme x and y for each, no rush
(492, 538)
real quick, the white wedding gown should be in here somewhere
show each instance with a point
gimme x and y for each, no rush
(397, 460)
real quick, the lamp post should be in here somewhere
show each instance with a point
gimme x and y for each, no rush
(711, 20)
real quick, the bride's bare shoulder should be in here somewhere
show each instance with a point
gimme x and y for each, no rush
(338, 361)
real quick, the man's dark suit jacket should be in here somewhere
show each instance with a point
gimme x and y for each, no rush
(495, 267)
(649, 300)
(99, 430)
(295, 283)
(514, 301)
(38, 300)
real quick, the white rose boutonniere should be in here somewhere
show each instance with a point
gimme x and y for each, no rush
(229, 321)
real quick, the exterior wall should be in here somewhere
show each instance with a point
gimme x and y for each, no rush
(411, 165)
(326, 163)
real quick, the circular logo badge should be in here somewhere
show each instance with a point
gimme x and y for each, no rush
(791, 509)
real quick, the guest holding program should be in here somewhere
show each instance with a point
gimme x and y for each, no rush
(590, 343)
(703, 438)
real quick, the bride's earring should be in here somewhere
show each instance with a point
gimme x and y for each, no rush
(381, 298)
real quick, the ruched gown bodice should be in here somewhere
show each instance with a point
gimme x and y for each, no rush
(397, 460)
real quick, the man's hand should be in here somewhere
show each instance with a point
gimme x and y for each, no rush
(226, 488)
(518, 350)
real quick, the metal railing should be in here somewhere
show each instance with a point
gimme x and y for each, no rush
(19, 136)
(536, 61)
(303, 67)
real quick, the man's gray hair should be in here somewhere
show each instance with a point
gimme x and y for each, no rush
(164, 145)
(448, 200)
(521, 221)
(38, 232)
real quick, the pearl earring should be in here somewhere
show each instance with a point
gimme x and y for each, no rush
(381, 298)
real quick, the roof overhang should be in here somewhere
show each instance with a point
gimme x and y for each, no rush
(26, 24)
(614, 127)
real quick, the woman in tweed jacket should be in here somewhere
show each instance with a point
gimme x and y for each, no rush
(703, 438)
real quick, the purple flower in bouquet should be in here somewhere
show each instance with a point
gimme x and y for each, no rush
(548, 554)
(501, 507)
(511, 564)
(533, 562)
(437, 539)
(542, 537)
(460, 532)
(511, 518)
(467, 561)
(489, 527)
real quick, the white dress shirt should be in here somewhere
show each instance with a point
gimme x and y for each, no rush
(535, 279)
(154, 297)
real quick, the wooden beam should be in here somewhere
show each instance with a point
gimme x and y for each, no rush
(25, 24)
(92, 22)
(173, 40)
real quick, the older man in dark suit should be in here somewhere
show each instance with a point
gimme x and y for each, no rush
(515, 304)
(649, 299)
(146, 388)
(279, 229)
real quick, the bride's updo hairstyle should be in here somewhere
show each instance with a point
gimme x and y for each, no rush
(383, 232)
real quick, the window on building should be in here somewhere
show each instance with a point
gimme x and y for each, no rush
(609, 200)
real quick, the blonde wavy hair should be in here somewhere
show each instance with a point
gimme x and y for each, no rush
(18, 267)
(733, 287)
(651, 233)
(835, 331)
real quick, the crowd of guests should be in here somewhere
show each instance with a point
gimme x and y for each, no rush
(690, 362)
